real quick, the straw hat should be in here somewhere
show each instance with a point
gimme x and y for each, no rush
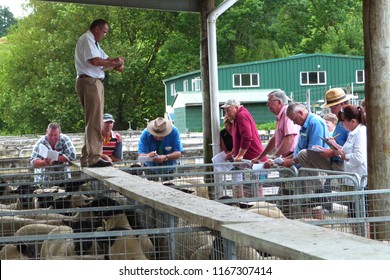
(160, 127)
(335, 96)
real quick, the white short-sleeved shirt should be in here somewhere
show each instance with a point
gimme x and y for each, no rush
(86, 49)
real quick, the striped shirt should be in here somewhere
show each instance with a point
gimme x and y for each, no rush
(113, 147)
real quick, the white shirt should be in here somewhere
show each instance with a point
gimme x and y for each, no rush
(356, 151)
(86, 49)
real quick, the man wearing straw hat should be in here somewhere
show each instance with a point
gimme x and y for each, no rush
(161, 145)
(336, 99)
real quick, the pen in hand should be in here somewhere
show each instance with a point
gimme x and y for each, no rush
(333, 137)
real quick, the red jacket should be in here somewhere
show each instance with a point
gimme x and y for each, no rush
(246, 136)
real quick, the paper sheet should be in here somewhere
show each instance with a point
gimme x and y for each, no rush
(258, 167)
(143, 159)
(220, 162)
(46, 153)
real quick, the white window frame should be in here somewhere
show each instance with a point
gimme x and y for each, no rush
(173, 89)
(251, 78)
(196, 84)
(185, 85)
(307, 74)
(358, 80)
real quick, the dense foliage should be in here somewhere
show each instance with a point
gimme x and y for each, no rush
(7, 20)
(37, 74)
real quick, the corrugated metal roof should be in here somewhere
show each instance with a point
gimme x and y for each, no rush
(194, 98)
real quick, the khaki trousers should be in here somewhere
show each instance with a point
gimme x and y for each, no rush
(91, 95)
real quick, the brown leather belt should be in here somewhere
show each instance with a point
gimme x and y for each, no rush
(81, 76)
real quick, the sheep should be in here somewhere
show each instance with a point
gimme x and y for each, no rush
(6, 191)
(44, 198)
(10, 207)
(258, 207)
(58, 247)
(135, 169)
(69, 247)
(265, 209)
(188, 243)
(10, 224)
(205, 252)
(17, 252)
(25, 199)
(121, 247)
(35, 229)
(75, 186)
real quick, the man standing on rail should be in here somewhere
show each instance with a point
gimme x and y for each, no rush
(91, 62)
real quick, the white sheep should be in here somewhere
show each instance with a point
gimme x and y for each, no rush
(10, 224)
(243, 253)
(65, 248)
(187, 243)
(123, 247)
(58, 247)
(17, 252)
(266, 209)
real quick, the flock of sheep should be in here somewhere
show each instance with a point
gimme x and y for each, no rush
(45, 225)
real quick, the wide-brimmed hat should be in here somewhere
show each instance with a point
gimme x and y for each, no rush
(231, 102)
(335, 96)
(160, 127)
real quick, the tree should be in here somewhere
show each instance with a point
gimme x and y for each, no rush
(37, 74)
(7, 19)
(39, 87)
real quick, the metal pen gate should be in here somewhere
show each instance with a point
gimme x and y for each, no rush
(161, 227)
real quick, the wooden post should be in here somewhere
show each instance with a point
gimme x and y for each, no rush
(376, 22)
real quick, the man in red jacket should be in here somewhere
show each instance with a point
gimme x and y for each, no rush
(246, 140)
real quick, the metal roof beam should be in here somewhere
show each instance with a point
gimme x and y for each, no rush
(165, 5)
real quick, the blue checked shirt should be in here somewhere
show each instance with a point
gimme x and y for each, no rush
(64, 147)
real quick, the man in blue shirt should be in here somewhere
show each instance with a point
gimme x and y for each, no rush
(160, 146)
(336, 99)
(312, 129)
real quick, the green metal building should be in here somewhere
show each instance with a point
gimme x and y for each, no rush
(304, 77)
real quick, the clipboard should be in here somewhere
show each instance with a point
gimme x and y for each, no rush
(326, 140)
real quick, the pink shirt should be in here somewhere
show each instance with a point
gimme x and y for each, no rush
(284, 127)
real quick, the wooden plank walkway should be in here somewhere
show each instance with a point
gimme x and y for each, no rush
(287, 239)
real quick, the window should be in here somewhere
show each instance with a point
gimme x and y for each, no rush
(196, 84)
(246, 80)
(173, 90)
(313, 78)
(185, 85)
(360, 77)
